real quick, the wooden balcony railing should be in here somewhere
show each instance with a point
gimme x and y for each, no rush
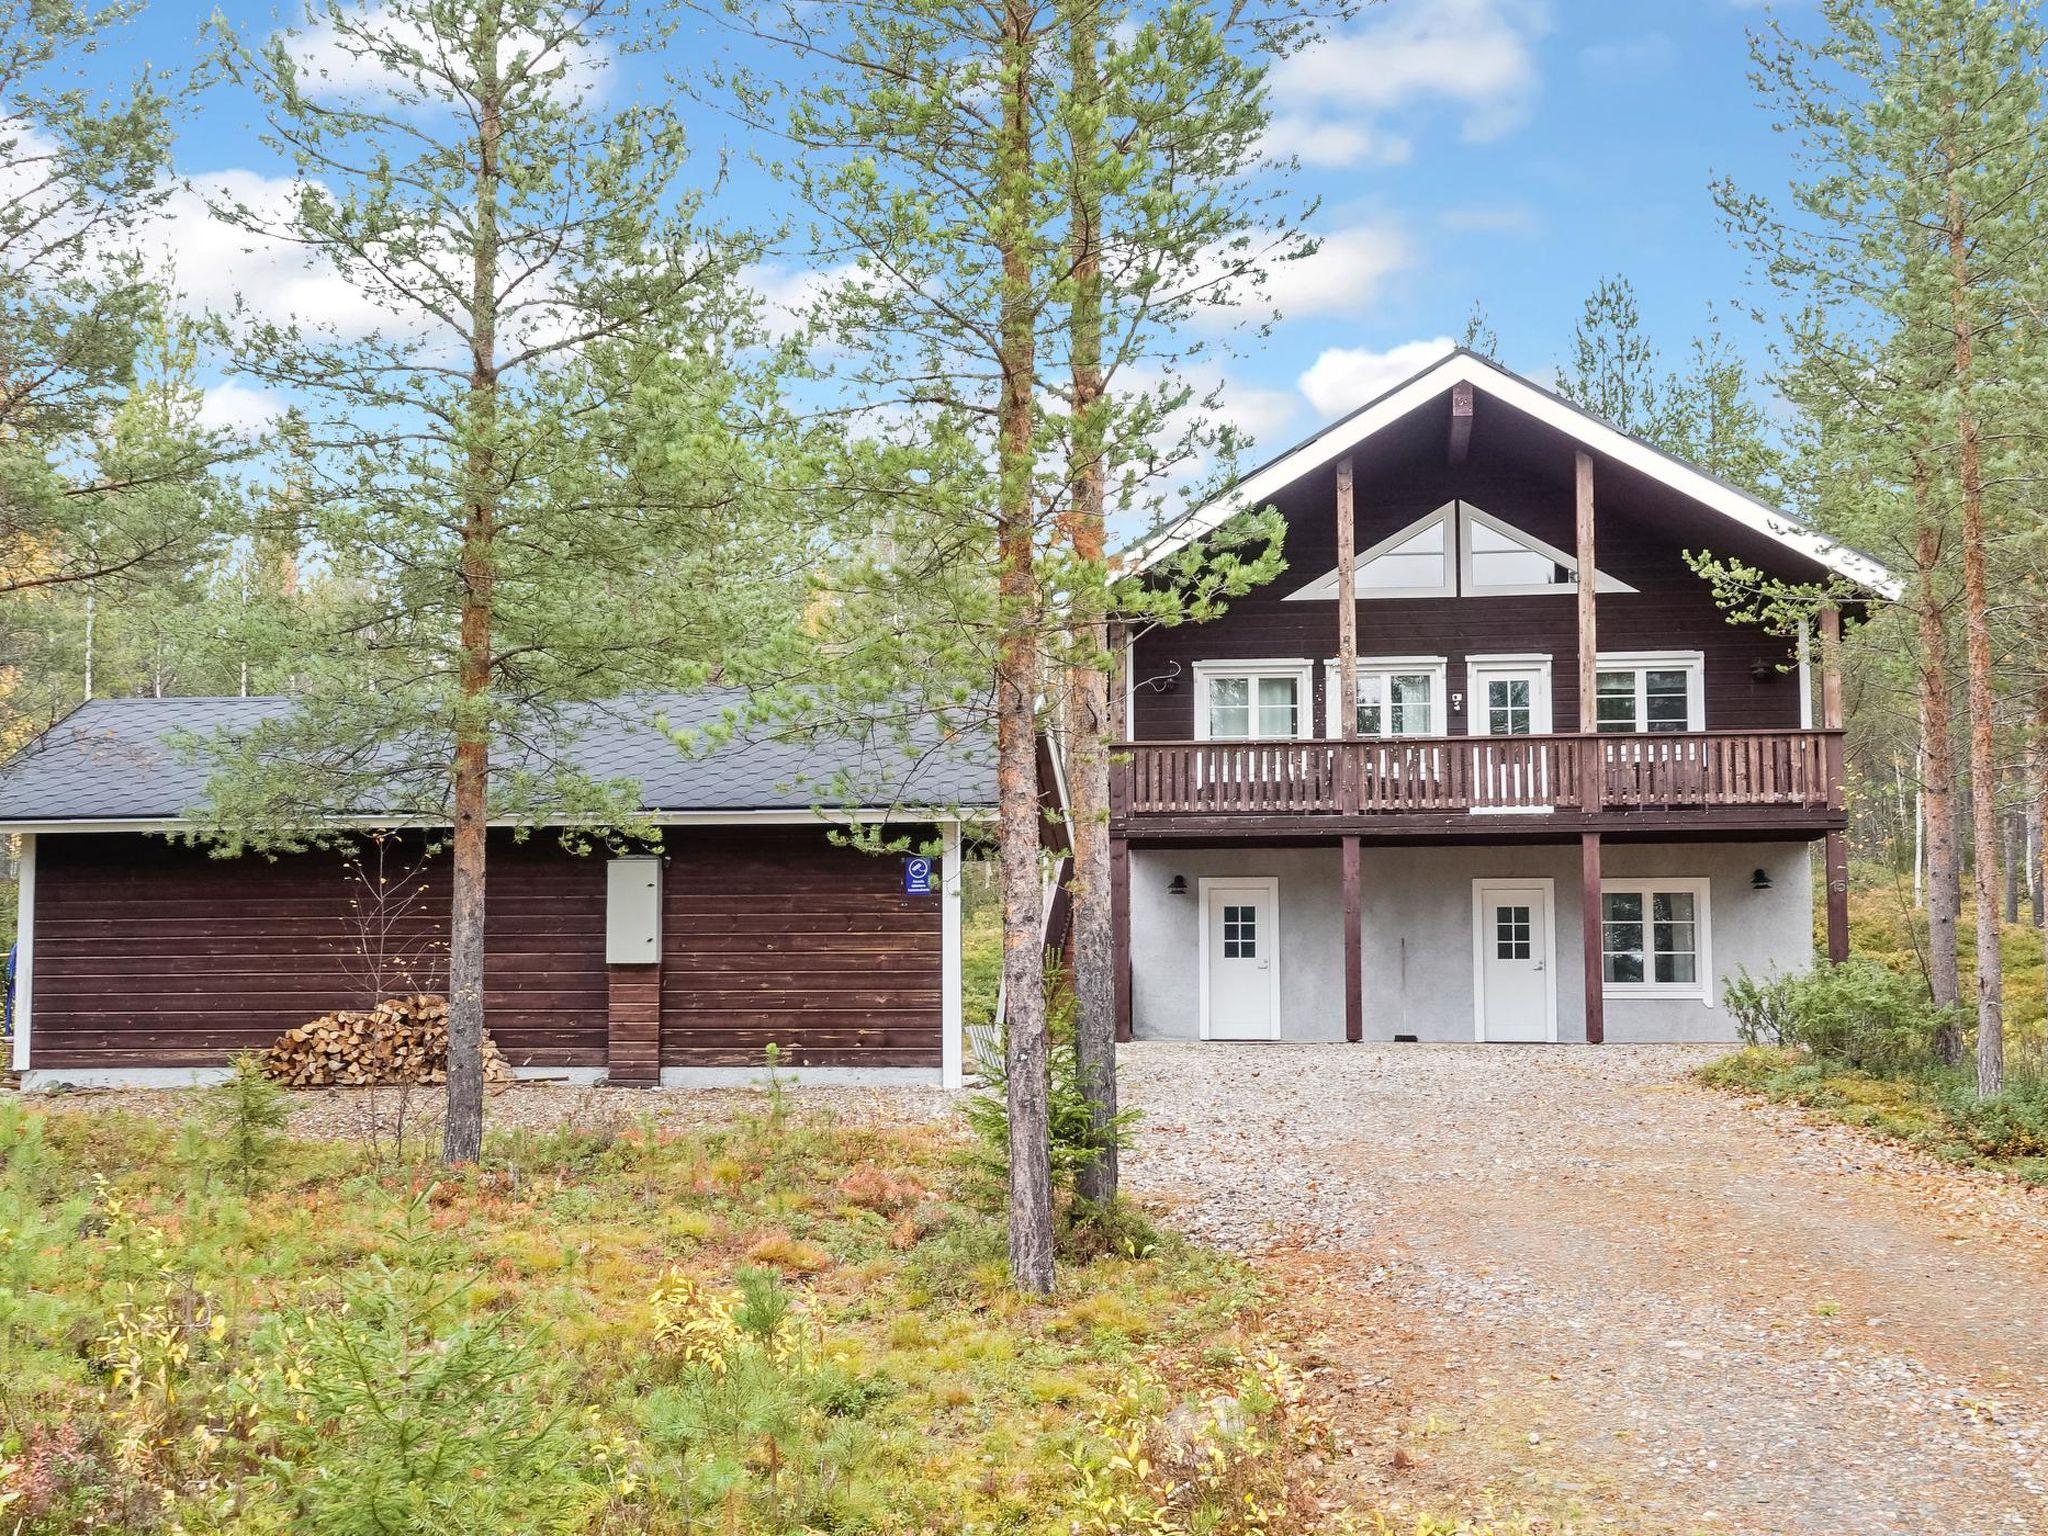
(1449, 774)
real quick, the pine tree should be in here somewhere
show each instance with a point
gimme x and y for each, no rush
(539, 480)
(1913, 241)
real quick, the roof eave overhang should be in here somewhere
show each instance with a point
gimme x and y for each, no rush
(766, 817)
(1340, 437)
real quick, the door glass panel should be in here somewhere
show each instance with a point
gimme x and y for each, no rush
(1621, 936)
(1511, 931)
(1240, 933)
(1508, 711)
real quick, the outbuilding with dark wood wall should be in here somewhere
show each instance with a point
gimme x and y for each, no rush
(145, 958)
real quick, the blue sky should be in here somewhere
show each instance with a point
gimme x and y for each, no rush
(1508, 151)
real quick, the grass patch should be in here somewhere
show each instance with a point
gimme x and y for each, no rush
(786, 1324)
(1935, 1111)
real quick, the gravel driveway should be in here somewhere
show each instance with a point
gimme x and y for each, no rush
(1573, 1280)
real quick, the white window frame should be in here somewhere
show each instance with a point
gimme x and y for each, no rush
(1692, 663)
(1458, 518)
(1479, 670)
(1324, 588)
(1298, 668)
(1385, 668)
(1469, 585)
(1701, 988)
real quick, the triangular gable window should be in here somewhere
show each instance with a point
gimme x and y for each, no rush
(1458, 549)
(1417, 561)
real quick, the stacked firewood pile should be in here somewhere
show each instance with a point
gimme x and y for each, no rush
(401, 1040)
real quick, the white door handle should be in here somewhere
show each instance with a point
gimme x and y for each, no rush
(1539, 965)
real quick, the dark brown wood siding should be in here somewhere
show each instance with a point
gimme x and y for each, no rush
(1640, 543)
(152, 954)
(776, 935)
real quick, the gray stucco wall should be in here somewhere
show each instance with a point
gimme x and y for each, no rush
(1416, 913)
(1166, 938)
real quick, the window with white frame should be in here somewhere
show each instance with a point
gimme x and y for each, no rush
(1456, 550)
(1651, 693)
(1397, 696)
(1653, 937)
(1262, 701)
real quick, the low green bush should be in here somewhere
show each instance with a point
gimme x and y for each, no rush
(1859, 1014)
(2006, 1126)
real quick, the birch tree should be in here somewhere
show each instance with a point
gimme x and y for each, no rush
(539, 474)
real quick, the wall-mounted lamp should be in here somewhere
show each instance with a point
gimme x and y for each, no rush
(1763, 669)
(1177, 886)
(1759, 881)
(1457, 703)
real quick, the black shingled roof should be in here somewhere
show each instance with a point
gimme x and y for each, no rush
(111, 760)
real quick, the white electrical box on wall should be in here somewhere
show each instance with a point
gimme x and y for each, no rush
(632, 912)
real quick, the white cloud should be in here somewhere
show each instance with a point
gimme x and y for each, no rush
(1344, 378)
(214, 262)
(1476, 55)
(232, 407)
(1325, 143)
(789, 292)
(1344, 276)
(333, 64)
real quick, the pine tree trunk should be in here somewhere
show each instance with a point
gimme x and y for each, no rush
(463, 1130)
(2015, 822)
(1026, 1056)
(1088, 680)
(2037, 789)
(1977, 636)
(1938, 776)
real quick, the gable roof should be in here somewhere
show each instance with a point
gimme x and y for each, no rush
(1467, 367)
(113, 761)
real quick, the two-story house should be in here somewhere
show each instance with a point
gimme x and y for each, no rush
(1487, 761)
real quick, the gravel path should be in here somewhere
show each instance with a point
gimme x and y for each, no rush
(1574, 1280)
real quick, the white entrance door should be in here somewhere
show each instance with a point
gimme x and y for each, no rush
(1510, 700)
(1512, 958)
(1240, 959)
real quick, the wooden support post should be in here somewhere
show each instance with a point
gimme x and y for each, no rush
(1120, 931)
(1347, 638)
(1354, 947)
(1589, 627)
(1592, 788)
(1838, 896)
(1590, 915)
(1831, 701)
(1461, 423)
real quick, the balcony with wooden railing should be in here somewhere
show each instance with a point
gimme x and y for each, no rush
(1405, 783)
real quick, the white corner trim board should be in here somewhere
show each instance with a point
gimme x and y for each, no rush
(1340, 437)
(952, 1006)
(25, 951)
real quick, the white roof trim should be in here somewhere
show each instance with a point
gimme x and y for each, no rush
(771, 818)
(1262, 484)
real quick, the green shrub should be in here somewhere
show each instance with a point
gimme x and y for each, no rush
(2012, 1124)
(1860, 1015)
(1075, 1139)
(421, 1417)
(244, 1119)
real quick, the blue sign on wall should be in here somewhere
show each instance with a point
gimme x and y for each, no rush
(917, 876)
